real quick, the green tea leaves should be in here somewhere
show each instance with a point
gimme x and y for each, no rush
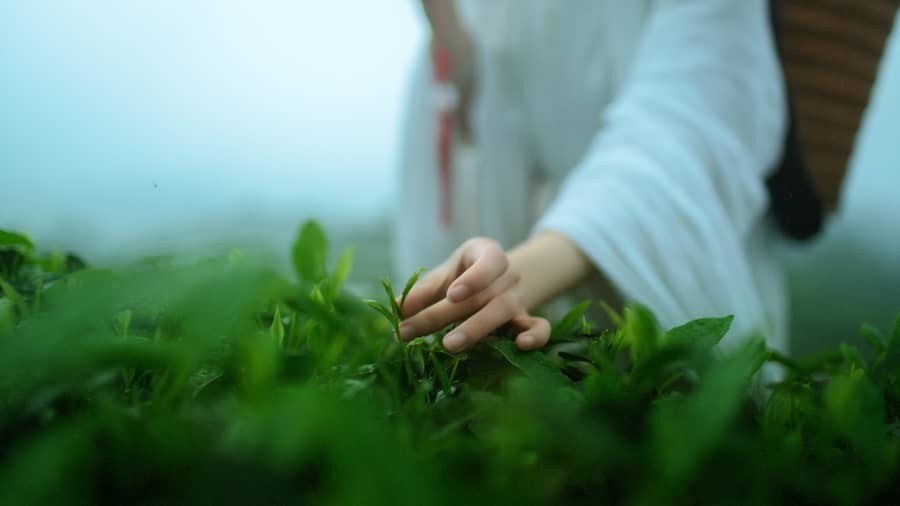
(392, 299)
(276, 330)
(855, 407)
(13, 295)
(570, 322)
(7, 317)
(189, 371)
(310, 259)
(703, 333)
(14, 240)
(534, 365)
(687, 429)
(377, 306)
(310, 252)
(394, 315)
(408, 288)
(389, 315)
(641, 333)
(873, 337)
(342, 270)
(122, 322)
(614, 317)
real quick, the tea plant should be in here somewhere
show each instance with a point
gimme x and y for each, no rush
(220, 381)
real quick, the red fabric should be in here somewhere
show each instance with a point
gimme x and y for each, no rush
(441, 65)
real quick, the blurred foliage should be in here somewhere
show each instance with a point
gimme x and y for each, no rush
(219, 381)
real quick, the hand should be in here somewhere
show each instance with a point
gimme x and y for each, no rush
(477, 287)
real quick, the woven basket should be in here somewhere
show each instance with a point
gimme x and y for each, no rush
(831, 51)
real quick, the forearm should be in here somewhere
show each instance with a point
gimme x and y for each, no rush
(548, 264)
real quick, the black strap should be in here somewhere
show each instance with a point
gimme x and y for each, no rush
(795, 204)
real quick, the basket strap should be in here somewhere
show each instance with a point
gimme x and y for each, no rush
(830, 52)
(795, 204)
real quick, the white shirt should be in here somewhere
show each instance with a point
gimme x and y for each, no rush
(651, 124)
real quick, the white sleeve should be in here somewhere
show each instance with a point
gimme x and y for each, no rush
(670, 197)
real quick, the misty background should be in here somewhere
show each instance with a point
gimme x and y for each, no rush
(136, 128)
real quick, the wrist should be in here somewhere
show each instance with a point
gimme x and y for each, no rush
(547, 265)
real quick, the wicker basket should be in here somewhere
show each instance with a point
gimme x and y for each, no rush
(831, 51)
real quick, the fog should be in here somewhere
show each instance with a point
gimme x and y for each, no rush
(132, 128)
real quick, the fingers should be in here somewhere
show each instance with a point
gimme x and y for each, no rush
(474, 284)
(535, 333)
(445, 312)
(483, 261)
(472, 268)
(502, 307)
(498, 311)
(430, 289)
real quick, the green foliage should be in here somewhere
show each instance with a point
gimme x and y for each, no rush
(567, 325)
(688, 429)
(391, 312)
(408, 288)
(641, 333)
(341, 272)
(13, 240)
(219, 381)
(394, 314)
(310, 252)
(705, 332)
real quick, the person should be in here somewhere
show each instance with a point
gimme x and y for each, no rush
(623, 145)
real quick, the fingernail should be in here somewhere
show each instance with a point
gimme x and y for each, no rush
(458, 293)
(527, 341)
(407, 331)
(454, 340)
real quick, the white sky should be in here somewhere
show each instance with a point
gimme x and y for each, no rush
(127, 121)
(140, 125)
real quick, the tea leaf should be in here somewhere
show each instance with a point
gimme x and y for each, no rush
(441, 373)
(342, 270)
(702, 333)
(873, 337)
(310, 252)
(316, 295)
(377, 306)
(534, 364)
(687, 429)
(19, 241)
(10, 293)
(123, 322)
(614, 317)
(570, 321)
(856, 408)
(276, 330)
(641, 333)
(585, 326)
(406, 289)
(392, 299)
(7, 317)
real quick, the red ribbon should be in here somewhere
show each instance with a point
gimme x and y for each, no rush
(442, 68)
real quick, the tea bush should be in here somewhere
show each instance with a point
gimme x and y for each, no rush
(220, 381)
